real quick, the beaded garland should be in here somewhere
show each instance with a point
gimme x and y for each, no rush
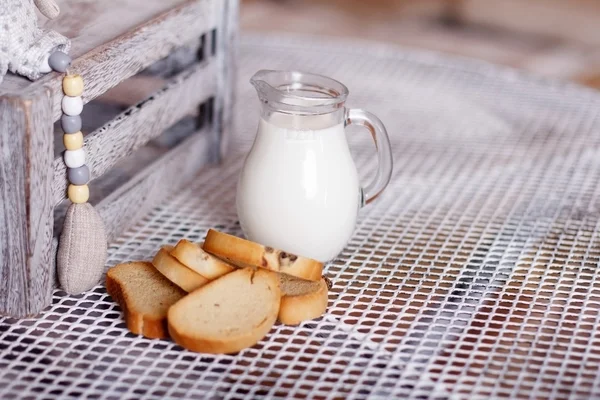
(82, 248)
(78, 173)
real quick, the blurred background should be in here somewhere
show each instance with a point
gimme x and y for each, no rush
(555, 38)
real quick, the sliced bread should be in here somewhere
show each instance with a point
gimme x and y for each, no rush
(144, 295)
(244, 253)
(228, 314)
(176, 272)
(195, 258)
(302, 300)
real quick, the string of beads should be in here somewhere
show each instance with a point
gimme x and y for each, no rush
(78, 173)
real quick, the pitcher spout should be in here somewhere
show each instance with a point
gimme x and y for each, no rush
(299, 92)
(260, 81)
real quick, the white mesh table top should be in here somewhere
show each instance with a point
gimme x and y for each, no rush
(474, 276)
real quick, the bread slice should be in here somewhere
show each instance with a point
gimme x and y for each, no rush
(176, 272)
(144, 296)
(228, 314)
(244, 253)
(195, 258)
(302, 300)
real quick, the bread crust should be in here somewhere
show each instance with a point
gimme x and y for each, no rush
(195, 258)
(150, 326)
(296, 309)
(245, 253)
(176, 272)
(222, 346)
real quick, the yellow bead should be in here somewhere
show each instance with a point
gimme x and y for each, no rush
(73, 85)
(78, 193)
(73, 141)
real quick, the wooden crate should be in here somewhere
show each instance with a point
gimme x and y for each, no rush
(112, 41)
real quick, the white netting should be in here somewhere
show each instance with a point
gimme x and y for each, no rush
(474, 276)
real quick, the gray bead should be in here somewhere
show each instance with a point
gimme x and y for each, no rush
(79, 176)
(70, 123)
(59, 61)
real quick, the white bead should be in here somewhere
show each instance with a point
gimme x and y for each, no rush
(74, 158)
(44, 66)
(72, 105)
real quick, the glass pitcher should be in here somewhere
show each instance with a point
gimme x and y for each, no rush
(298, 189)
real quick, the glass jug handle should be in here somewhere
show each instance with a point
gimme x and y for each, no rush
(364, 118)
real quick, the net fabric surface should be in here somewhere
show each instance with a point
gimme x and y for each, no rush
(475, 275)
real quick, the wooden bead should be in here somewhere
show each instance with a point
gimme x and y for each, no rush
(73, 141)
(72, 105)
(78, 176)
(59, 61)
(78, 193)
(73, 85)
(74, 158)
(71, 124)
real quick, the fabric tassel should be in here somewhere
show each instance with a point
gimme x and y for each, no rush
(82, 249)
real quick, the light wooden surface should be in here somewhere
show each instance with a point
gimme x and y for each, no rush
(26, 151)
(139, 124)
(90, 24)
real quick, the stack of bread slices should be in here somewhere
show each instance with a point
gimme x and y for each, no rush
(220, 296)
